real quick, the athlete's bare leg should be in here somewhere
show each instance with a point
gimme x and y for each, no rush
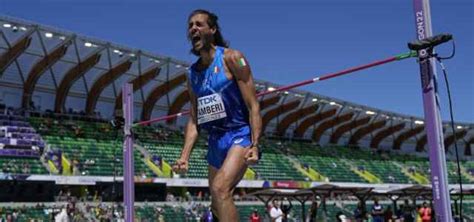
(223, 181)
(212, 171)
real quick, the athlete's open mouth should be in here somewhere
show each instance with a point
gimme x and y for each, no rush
(195, 39)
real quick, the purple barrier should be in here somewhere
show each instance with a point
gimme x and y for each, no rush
(22, 144)
(19, 153)
(14, 123)
(12, 117)
(22, 129)
(28, 136)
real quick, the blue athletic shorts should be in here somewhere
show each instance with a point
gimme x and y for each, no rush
(221, 142)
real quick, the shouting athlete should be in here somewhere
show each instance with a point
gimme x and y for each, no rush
(223, 102)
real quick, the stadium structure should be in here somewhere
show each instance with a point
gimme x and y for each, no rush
(59, 91)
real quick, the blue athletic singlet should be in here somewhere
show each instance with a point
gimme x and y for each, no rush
(221, 110)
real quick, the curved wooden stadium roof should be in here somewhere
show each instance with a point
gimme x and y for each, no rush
(37, 60)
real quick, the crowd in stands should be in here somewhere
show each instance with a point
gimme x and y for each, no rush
(76, 126)
(70, 208)
(66, 127)
(404, 212)
(70, 113)
(60, 212)
(17, 134)
(16, 167)
(62, 126)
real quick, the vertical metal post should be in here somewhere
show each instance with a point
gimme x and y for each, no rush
(433, 124)
(128, 169)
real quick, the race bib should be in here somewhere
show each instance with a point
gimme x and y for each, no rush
(210, 108)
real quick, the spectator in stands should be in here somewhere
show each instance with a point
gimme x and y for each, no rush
(377, 212)
(360, 212)
(407, 212)
(417, 214)
(15, 215)
(47, 122)
(170, 197)
(242, 194)
(78, 132)
(61, 132)
(398, 214)
(391, 179)
(200, 195)
(305, 167)
(12, 165)
(276, 213)
(425, 213)
(143, 174)
(207, 215)
(105, 128)
(388, 214)
(24, 168)
(340, 217)
(71, 207)
(158, 161)
(9, 218)
(255, 217)
(43, 129)
(286, 209)
(27, 168)
(5, 168)
(78, 217)
(313, 211)
(56, 158)
(236, 197)
(158, 212)
(89, 162)
(62, 216)
(76, 167)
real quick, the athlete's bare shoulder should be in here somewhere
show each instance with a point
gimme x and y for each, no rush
(232, 54)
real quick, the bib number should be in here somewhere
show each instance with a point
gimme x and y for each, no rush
(210, 108)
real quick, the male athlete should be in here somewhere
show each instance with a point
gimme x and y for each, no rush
(223, 102)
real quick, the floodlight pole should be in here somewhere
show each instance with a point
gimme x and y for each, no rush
(433, 124)
(128, 169)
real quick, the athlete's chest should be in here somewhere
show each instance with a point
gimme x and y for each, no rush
(213, 79)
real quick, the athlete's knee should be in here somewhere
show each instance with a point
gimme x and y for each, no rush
(220, 191)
